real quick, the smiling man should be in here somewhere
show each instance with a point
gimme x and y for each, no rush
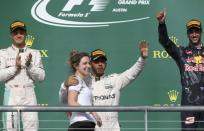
(106, 89)
(20, 69)
(190, 60)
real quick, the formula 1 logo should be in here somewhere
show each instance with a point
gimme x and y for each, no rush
(98, 5)
(87, 13)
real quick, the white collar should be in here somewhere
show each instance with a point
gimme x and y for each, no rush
(17, 49)
(95, 78)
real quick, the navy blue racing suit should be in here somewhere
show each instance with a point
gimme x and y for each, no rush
(190, 61)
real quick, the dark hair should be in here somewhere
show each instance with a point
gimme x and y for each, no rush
(75, 58)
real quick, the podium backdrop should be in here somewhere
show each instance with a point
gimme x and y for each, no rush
(55, 27)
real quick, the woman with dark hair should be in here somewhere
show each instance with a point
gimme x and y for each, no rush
(80, 94)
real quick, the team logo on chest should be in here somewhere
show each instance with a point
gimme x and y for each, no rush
(108, 86)
(194, 63)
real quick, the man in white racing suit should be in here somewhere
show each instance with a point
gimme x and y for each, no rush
(106, 88)
(20, 68)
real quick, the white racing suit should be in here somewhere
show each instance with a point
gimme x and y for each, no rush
(106, 92)
(19, 86)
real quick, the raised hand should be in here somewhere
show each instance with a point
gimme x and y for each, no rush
(161, 16)
(143, 45)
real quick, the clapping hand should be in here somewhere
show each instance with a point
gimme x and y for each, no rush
(28, 60)
(18, 61)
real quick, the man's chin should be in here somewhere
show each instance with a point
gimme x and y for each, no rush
(195, 43)
(19, 43)
(100, 73)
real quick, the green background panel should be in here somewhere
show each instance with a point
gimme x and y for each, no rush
(120, 42)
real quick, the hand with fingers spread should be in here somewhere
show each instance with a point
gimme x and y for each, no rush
(143, 45)
(28, 60)
(71, 81)
(18, 62)
(161, 16)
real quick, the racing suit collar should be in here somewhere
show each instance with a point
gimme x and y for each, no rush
(194, 47)
(17, 49)
(96, 78)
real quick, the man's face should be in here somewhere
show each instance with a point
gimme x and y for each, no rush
(98, 67)
(194, 36)
(18, 37)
